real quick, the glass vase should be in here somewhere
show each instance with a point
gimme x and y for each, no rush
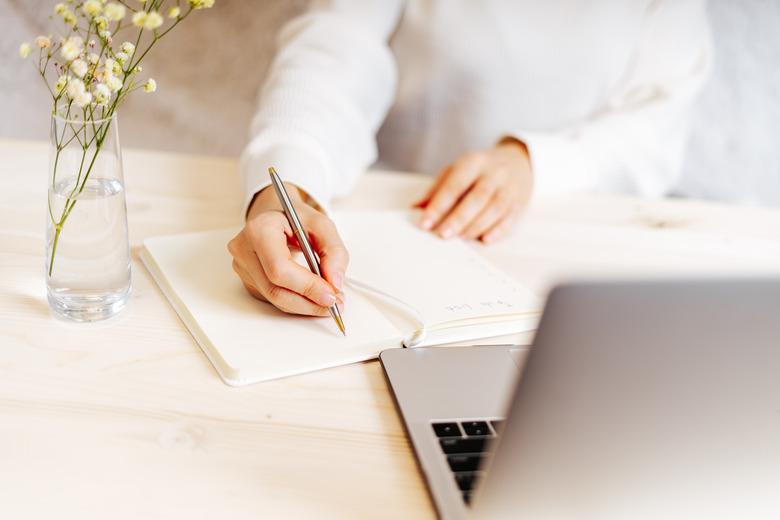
(87, 245)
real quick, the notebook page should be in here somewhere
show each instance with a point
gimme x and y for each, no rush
(248, 340)
(447, 281)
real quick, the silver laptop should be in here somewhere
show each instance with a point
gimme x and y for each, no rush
(655, 399)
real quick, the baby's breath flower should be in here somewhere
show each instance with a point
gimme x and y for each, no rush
(128, 48)
(24, 50)
(60, 8)
(44, 42)
(79, 67)
(75, 88)
(150, 86)
(72, 47)
(121, 58)
(93, 58)
(139, 18)
(174, 12)
(114, 12)
(112, 82)
(101, 93)
(83, 99)
(62, 82)
(92, 7)
(153, 20)
(101, 22)
(70, 18)
(201, 4)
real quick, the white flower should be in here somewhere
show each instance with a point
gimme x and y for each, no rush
(121, 58)
(150, 86)
(114, 12)
(79, 67)
(43, 42)
(174, 12)
(24, 50)
(113, 83)
(201, 4)
(72, 47)
(101, 93)
(83, 99)
(93, 58)
(139, 18)
(92, 7)
(62, 81)
(128, 48)
(153, 20)
(69, 18)
(75, 88)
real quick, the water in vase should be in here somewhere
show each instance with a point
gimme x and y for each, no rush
(88, 264)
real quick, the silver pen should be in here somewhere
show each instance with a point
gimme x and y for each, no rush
(303, 241)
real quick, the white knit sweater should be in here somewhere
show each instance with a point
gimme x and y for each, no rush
(598, 89)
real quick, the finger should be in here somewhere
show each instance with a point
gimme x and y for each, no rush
(263, 252)
(503, 226)
(327, 243)
(288, 281)
(477, 201)
(455, 183)
(423, 202)
(283, 299)
(494, 210)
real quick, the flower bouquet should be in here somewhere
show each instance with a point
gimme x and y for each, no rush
(89, 69)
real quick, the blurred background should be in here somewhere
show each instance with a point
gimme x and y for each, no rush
(209, 69)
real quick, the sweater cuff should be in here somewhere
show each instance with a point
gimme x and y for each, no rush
(294, 166)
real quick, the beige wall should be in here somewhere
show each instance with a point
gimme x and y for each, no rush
(208, 71)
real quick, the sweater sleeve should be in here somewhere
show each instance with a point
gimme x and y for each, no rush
(636, 142)
(326, 94)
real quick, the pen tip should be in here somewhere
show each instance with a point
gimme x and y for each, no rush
(340, 323)
(271, 170)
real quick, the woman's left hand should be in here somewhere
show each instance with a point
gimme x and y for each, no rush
(481, 195)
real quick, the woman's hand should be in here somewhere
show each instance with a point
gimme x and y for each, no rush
(263, 256)
(480, 195)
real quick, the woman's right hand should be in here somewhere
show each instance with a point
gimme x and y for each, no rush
(263, 256)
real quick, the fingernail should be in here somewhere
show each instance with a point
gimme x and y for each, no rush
(427, 223)
(338, 281)
(327, 300)
(447, 232)
(488, 238)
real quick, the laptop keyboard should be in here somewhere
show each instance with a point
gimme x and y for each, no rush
(464, 444)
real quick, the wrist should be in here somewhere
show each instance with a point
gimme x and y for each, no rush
(267, 200)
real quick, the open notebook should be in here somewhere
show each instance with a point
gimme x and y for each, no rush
(459, 294)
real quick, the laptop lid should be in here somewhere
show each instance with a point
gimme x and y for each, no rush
(656, 399)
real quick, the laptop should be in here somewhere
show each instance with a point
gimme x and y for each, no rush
(643, 399)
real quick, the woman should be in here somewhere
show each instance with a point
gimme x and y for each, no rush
(499, 97)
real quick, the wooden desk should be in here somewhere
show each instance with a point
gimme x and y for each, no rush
(127, 419)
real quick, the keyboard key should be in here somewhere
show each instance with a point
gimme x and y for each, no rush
(465, 481)
(464, 463)
(449, 429)
(460, 445)
(476, 428)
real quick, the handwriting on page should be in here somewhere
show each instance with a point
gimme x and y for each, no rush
(466, 307)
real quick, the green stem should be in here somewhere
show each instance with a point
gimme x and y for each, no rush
(99, 136)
